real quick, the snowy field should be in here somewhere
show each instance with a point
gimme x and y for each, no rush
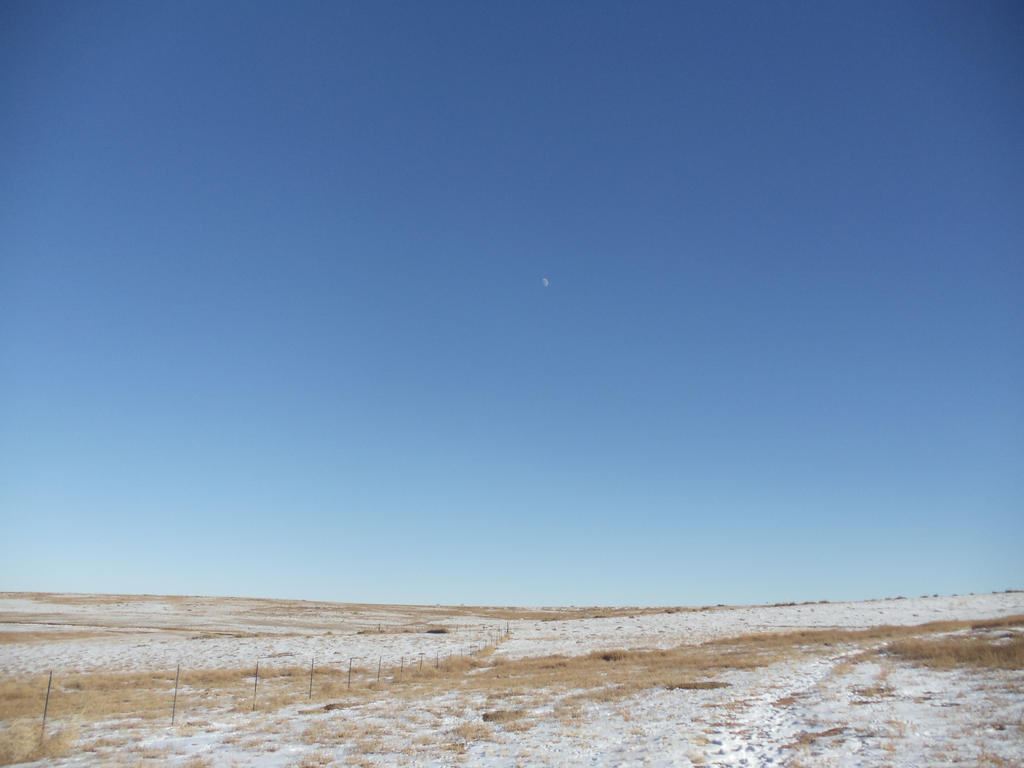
(930, 681)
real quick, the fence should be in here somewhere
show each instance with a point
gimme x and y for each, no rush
(273, 681)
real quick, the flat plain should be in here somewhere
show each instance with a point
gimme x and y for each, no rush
(201, 681)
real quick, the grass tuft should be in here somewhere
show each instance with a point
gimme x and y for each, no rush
(20, 742)
(502, 716)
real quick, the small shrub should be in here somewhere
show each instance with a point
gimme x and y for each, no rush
(503, 715)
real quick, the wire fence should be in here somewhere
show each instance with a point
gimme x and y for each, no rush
(273, 680)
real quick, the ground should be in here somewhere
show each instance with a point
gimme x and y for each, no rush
(929, 681)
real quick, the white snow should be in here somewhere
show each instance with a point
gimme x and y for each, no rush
(838, 709)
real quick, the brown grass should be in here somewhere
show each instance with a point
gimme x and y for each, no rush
(471, 731)
(883, 632)
(702, 685)
(615, 674)
(22, 742)
(349, 616)
(150, 695)
(987, 758)
(805, 738)
(48, 636)
(502, 716)
(502, 686)
(873, 692)
(961, 651)
(314, 760)
(606, 675)
(329, 732)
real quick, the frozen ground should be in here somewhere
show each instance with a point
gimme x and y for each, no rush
(840, 704)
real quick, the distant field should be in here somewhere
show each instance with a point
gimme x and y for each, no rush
(924, 681)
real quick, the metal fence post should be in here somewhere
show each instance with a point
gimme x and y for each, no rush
(46, 706)
(255, 683)
(174, 706)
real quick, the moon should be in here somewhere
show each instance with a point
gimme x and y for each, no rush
(545, 282)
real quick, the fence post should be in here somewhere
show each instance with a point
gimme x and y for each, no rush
(46, 706)
(350, 674)
(379, 660)
(311, 662)
(255, 683)
(174, 706)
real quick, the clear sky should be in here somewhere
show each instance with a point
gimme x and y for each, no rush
(274, 319)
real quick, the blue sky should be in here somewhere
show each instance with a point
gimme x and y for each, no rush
(273, 320)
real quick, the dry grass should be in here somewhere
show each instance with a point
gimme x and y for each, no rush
(90, 696)
(148, 695)
(48, 636)
(343, 616)
(502, 716)
(809, 737)
(872, 692)
(1006, 652)
(986, 759)
(605, 675)
(471, 731)
(702, 685)
(835, 637)
(314, 760)
(23, 741)
(501, 686)
(327, 732)
(404, 629)
(601, 676)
